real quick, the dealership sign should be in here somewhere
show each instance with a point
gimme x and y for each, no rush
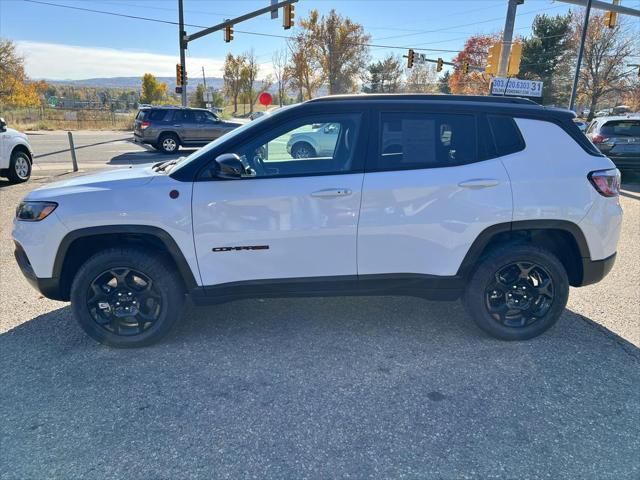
(515, 86)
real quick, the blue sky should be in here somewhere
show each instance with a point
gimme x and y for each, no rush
(59, 43)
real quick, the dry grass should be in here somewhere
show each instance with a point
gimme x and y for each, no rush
(57, 119)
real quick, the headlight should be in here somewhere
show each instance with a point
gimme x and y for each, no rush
(34, 211)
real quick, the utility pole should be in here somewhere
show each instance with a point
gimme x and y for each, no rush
(184, 39)
(576, 76)
(204, 79)
(507, 37)
(183, 47)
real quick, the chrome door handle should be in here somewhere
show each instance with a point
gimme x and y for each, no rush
(178, 125)
(479, 183)
(332, 193)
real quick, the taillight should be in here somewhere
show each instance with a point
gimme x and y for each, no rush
(606, 182)
(599, 138)
(144, 125)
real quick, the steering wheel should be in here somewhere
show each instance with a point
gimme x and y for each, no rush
(255, 161)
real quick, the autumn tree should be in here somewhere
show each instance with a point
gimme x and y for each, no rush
(232, 77)
(280, 60)
(475, 52)
(337, 45)
(383, 76)
(152, 90)
(422, 78)
(249, 80)
(606, 52)
(15, 87)
(546, 56)
(303, 72)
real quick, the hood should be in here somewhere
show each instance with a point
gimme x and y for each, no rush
(112, 179)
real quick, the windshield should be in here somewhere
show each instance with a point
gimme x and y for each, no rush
(227, 136)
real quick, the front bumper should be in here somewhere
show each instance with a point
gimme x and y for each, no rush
(49, 287)
(595, 270)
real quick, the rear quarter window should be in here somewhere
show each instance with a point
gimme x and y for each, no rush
(506, 135)
(156, 115)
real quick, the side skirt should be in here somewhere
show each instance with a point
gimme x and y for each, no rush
(413, 285)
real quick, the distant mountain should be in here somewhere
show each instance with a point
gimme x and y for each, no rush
(135, 82)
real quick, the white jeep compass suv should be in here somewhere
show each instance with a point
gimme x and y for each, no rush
(496, 200)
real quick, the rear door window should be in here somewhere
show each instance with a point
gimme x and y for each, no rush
(621, 128)
(153, 115)
(506, 135)
(425, 140)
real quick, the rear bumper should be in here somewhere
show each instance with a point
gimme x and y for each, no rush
(137, 138)
(595, 270)
(49, 287)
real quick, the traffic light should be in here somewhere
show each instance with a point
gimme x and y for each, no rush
(287, 18)
(410, 55)
(514, 59)
(228, 33)
(439, 64)
(610, 19)
(493, 59)
(179, 75)
(465, 67)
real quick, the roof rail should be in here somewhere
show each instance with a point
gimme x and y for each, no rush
(420, 96)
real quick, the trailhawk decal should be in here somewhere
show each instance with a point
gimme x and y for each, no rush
(238, 249)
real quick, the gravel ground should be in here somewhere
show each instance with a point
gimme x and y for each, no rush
(382, 387)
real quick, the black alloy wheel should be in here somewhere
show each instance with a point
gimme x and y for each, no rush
(520, 294)
(124, 301)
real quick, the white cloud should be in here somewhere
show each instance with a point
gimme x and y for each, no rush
(70, 62)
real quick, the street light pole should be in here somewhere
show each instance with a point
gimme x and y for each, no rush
(507, 37)
(183, 47)
(576, 77)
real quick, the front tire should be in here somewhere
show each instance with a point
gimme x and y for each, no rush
(19, 167)
(126, 297)
(303, 150)
(517, 292)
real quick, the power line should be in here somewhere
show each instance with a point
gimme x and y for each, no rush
(169, 22)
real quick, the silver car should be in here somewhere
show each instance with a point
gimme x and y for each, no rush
(319, 141)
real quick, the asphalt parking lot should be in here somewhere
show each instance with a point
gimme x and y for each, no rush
(94, 149)
(386, 387)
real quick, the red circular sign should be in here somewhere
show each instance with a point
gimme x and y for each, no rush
(265, 99)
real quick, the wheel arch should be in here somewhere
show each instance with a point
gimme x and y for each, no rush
(306, 140)
(21, 147)
(87, 241)
(563, 238)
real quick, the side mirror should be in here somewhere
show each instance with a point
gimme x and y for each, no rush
(3, 125)
(229, 166)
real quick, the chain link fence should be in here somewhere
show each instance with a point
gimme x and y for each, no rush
(46, 118)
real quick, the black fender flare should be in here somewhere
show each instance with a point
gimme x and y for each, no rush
(485, 237)
(165, 239)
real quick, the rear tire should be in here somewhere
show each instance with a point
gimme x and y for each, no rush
(19, 167)
(168, 143)
(517, 292)
(126, 297)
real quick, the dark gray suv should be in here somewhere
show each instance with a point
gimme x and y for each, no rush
(168, 128)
